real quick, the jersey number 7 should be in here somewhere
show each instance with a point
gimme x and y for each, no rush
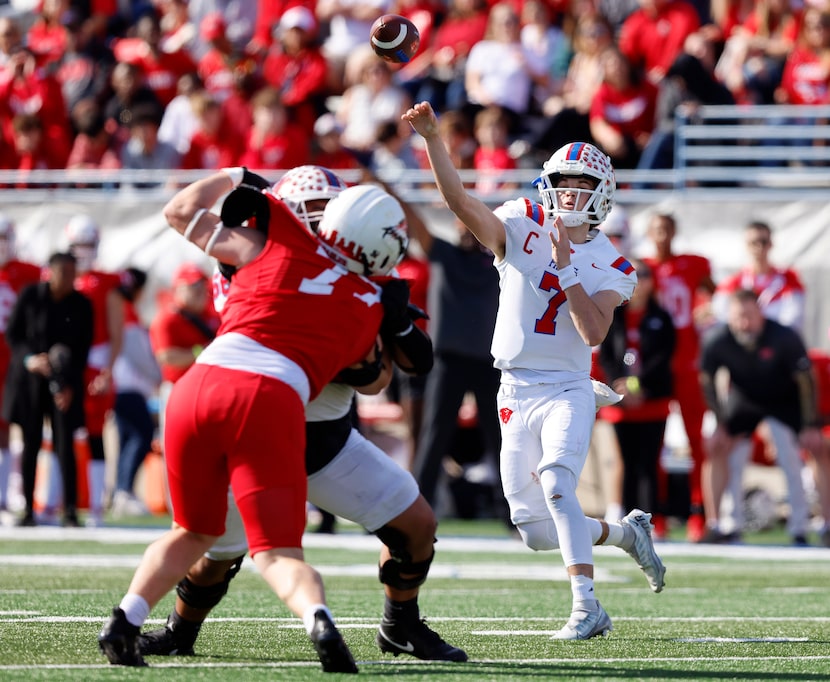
(547, 323)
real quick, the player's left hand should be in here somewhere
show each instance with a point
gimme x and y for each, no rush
(560, 244)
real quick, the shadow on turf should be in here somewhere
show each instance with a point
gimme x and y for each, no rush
(579, 669)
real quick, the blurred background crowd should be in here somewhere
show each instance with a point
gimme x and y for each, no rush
(202, 84)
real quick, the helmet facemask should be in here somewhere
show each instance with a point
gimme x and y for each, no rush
(576, 160)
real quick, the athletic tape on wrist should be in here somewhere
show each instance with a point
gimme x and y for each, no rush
(188, 233)
(235, 174)
(567, 277)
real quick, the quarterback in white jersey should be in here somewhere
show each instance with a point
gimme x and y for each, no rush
(561, 280)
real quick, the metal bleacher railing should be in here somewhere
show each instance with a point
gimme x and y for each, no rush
(722, 153)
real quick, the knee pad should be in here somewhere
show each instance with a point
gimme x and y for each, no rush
(390, 572)
(557, 481)
(539, 535)
(207, 596)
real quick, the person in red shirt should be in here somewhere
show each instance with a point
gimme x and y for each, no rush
(682, 280)
(780, 290)
(46, 36)
(183, 325)
(31, 149)
(223, 64)
(806, 77)
(652, 37)
(276, 349)
(161, 70)
(211, 146)
(93, 147)
(636, 361)
(491, 129)
(14, 275)
(623, 111)
(297, 68)
(274, 140)
(101, 288)
(27, 89)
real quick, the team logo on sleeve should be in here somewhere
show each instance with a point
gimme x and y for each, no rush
(505, 413)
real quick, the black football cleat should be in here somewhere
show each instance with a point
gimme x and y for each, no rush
(167, 641)
(418, 640)
(118, 640)
(331, 649)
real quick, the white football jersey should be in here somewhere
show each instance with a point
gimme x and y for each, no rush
(534, 333)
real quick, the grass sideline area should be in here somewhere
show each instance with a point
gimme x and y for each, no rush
(757, 611)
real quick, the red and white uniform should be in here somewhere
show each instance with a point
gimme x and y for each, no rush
(96, 286)
(14, 275)
(780, 295)
(291, 321)
(546, 404)
(678, 279)
(532, 309)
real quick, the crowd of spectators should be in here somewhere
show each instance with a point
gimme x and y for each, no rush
(202, 85)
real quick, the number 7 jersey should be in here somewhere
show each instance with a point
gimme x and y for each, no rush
(534, 331)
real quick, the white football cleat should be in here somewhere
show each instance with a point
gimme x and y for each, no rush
(584, 625)
(642, 549)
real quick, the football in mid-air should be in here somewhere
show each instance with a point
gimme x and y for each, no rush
(394, 38)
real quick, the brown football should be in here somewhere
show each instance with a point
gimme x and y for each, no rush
(394, 38)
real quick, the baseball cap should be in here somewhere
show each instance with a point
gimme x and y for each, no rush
(298, 17)
(212, 26)
(189, 273)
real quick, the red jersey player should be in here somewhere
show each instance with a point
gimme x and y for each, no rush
(780, 291)
(681, 279)
(14, 275)
(293, 319)
(101, 288)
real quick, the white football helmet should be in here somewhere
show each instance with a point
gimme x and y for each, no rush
(364, 228)
(83, 236)
(304, 184)
(6, 240)
(574, 160)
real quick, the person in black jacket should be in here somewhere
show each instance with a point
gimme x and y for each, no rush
(636, 359)
(49, 333)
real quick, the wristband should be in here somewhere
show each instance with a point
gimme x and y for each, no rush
(26, 360)
(567, 277)
(405, 331)
(188, 232)
(236, 174)
(633, 385)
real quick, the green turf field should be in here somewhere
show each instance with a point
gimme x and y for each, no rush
(752, 612)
